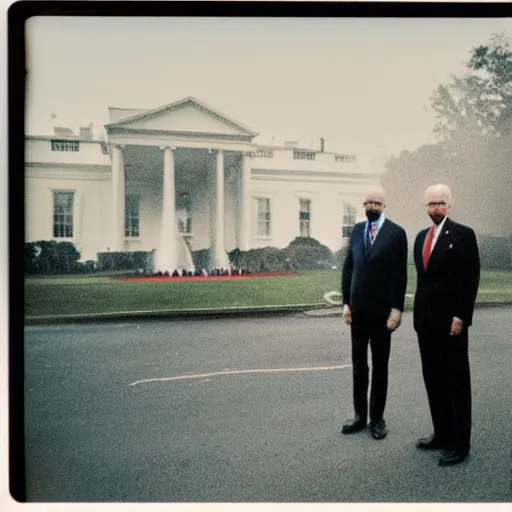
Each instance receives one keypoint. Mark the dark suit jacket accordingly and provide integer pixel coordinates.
(373, 284)
(449, 286)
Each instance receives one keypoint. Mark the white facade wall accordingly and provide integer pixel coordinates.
(284, 188)
(328, 181)
(327, 198)
(93, 197)
(91, 212)
(38, 149)
(322, 163)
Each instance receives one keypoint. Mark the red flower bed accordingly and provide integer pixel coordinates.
(151, 279)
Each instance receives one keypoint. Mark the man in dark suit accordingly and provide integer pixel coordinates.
(374, 279)
(448, 274)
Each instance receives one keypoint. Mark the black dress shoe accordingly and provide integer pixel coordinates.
(451, 457)
(379, 429)
(354, 425)
(430, 443)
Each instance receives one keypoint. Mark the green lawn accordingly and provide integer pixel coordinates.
(94, 294)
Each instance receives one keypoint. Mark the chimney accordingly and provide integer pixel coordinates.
(322, 141)
(86, 132)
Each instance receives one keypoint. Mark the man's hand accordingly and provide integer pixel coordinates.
(394, 319)
(457, 325)
(347, 314)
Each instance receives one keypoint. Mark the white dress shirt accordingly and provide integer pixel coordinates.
(378, 223)
(437, 231)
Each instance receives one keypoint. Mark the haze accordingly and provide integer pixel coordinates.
(362, 84)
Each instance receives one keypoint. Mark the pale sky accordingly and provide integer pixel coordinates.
(362, 84)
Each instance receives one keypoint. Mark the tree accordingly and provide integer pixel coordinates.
(407, 177)
(480, 101)
(474, 148)
(495, 60)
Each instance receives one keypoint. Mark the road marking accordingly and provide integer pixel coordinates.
(238, 372)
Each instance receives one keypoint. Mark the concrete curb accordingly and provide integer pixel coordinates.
(312, 310)
(174, 314)
(338, 311)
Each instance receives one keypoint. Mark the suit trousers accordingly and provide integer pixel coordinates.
(445, 366)
(379, 338)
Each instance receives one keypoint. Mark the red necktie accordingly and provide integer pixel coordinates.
(373, 228)
(428, 246)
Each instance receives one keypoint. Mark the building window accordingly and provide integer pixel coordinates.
(263, 217)
(349, 219)
(260, 153)
(131, 216)
(349, 159)
(65, 145)
(304, 155)
(184, 213)
(63, 214)
(305, 217)
(347, 231)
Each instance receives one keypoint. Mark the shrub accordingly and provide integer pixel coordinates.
(262, 259)
(201, 259)
(308, 253)
(90, 266)
(301, 253)
(236, 257)
(304, 240)
(125, 260)
(340, 256)
(50, 257)
(87, 267)
(31, 258)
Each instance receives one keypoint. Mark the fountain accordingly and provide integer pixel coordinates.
(173, 255)
(219, 260)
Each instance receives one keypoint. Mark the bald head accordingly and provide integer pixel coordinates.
(438, 199)
(437, 193)
(374, 203)
(375, 194)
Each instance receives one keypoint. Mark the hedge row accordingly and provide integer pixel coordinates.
(125, 261)
(51, 257)
(302, 253)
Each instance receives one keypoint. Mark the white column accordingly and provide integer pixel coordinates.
(211, 180)
(166, 254)
(118, 192)
(219, 251)
(244, 226)
(77, 220)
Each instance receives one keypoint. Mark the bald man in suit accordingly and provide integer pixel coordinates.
(448, 274)
(374, 279)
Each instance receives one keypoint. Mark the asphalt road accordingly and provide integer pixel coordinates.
(91, 435)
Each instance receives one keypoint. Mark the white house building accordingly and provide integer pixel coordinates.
(185, 176)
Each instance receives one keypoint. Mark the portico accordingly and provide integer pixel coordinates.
(154, 163)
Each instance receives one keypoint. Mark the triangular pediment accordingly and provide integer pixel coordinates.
(184, 116)
(118, 114)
